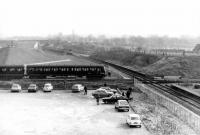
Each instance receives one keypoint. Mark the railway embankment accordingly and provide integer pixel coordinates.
(3, 55)
(184, 114)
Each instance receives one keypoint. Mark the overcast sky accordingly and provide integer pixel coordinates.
(109, 17)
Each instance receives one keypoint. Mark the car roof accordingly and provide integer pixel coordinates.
(77, 85)
(32, 84)
(15, 84)
(134, 115)
(122, 101)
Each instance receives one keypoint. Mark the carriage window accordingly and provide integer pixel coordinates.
(41, 69)
(12, 69)
(19, 69)
(55, 69)
(4, 69)
(63, 69)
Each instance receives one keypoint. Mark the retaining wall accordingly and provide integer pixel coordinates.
(183, 113)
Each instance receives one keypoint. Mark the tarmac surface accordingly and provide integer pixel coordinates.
(60, 113)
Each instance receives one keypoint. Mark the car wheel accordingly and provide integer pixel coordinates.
(127, 110)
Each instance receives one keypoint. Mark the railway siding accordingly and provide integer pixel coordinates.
(192, 119)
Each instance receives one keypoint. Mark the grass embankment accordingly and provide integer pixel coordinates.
(3, 55)
(187, 67)
(125, 57)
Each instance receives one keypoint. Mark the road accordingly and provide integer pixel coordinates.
(60, 113)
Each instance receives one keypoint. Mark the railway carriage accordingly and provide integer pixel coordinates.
(11, 72)
(42, 71)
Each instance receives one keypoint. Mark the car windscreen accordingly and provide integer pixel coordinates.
(123, 103)
(75, 87)
(15, 85)
(135, 118)
(32, 87)
(47, 85)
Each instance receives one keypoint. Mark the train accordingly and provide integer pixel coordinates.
(8, 72)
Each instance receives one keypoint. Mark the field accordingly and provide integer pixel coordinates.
(24, 53)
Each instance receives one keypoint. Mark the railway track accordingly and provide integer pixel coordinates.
(185, 98)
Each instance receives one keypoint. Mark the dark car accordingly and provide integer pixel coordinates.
(101, 93)
(32, 88)
(114, 98)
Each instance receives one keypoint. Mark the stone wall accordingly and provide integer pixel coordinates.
(183, 113)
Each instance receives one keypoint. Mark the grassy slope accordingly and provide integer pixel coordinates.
(3, 55)
(184, 66)
(29, 55)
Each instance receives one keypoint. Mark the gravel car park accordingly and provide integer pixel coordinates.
(60, 113)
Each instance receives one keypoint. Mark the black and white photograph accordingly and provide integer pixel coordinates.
(99, 67)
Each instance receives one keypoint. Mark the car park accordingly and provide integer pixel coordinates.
(122, 105)
(47, 87)
(101, 93)
(114, 98)
(16, 88)
(32, 88)
(77, 88)
(134, 120)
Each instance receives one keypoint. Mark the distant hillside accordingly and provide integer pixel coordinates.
(125, 57)
(197, 48)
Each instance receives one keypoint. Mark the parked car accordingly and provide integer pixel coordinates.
(114, 98)
(122, 105)
(77, 88)
(108, 89)
(32, 88)
(101, 93)
(48, 87)
(134, 120)
(16, 88)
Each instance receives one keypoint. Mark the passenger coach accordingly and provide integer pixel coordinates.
(12, 72)
(42, 71)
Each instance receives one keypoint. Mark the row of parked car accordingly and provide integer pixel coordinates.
(111, 96)
(48, 87)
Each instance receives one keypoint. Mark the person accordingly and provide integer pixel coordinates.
(128, 93)
(105, 85)
(123, 93)
(97, 98)
(85, 90)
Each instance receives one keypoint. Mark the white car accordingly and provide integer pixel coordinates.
(16, 88)
(48, 87)
(108, 89)
(77, 88)
(134, 120)
(122, 105)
